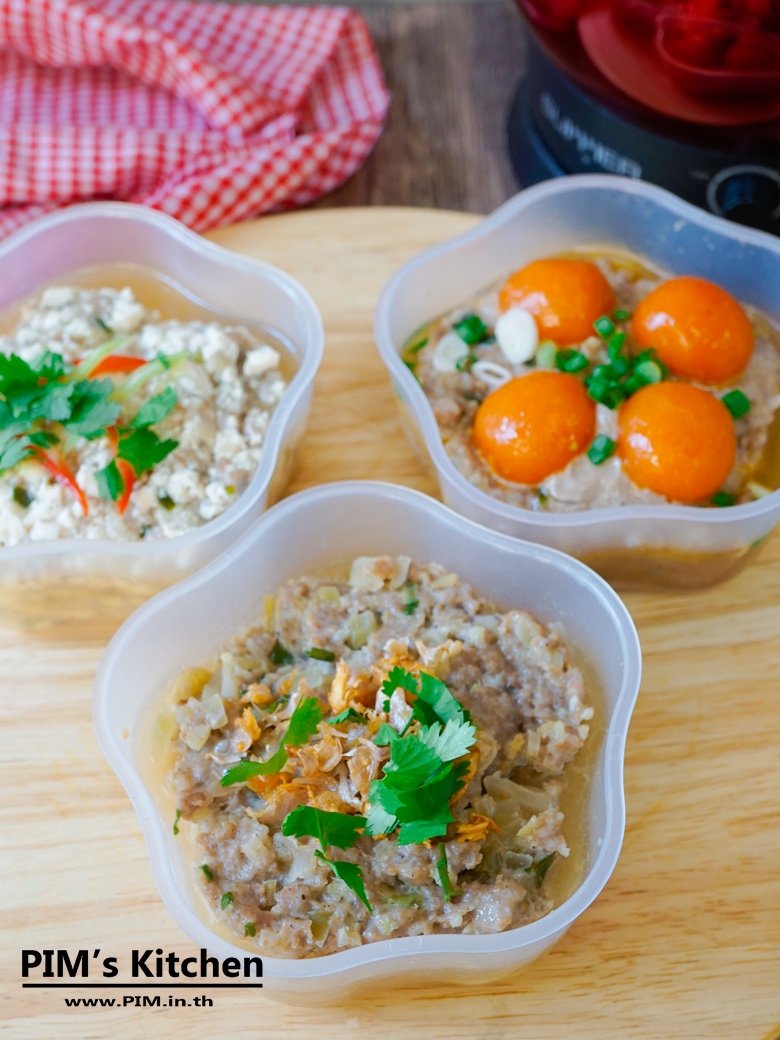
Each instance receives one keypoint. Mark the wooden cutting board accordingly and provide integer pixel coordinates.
(684, 943)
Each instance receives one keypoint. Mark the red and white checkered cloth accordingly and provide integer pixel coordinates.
(210, 112)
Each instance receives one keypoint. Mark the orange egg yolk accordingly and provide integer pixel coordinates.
(534, 426)
(564, 296)
(698, 330)
(676, 440)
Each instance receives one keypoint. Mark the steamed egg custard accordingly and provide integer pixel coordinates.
(591, 380)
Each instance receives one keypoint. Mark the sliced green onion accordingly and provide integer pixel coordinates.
(227, 900)
(737, 403)
(621, 315)
(615, 344)
(176, 822)
(723, 498)
(280, 655)
(621, 365)
(604, 326)
(250, 929)
(411, 606)
(319, 654)
(464, 363)
(207, 871)
(471, 329)
(539, 870)
(601, 449)
(648, 372)
(21, 496)
(571, 361)
(102, 324)
(165, 501)
(546, 354)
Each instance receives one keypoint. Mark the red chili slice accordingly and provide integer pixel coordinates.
(62, 473)
(116, 363)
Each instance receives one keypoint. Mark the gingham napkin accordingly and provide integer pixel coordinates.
(209, 112)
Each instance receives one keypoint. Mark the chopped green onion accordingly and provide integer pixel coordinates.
(160, 365)
(737, 403)
(176, 822)
(319, 654)
(571, 361)
(464, 363)
(22, 496)
(471, 329)
(227, 900)
(546, 354)
(620, 365)
(648, 372)
(101, 324)
(615, 344)
(144, 531)
(165, 500)
(417, 347)
(250, 929)
(604, 326)
(230, 489)
(723, 498)
(621, 315)
(207, 871)
(539, 870)
(280, 655)
(411, 606)
(601, 449)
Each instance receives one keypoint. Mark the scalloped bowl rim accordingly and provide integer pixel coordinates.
(308, 362)
(548, 928)
(421, 407)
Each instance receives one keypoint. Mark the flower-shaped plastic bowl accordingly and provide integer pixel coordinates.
(76, 582)
(330, 525)
(633, 546)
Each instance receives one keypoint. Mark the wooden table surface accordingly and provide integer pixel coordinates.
(684, 941)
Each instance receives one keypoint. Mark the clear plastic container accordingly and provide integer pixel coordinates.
(633, 546)
(188, 624)
(72, 584)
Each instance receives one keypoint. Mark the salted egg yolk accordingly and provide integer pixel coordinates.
(534, 425)
(676, 440)
(564, 296)
(698, 330)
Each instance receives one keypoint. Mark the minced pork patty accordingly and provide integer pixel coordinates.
(227, 387)
(516, 679)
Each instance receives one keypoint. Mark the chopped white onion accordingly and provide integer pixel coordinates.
(517, 335)
(449, 350)
(490, 373)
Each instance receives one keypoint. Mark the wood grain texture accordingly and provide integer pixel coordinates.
(452, 69)
(682, 945)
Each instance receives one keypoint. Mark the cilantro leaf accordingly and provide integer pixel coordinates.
(386, 735)
(303, 723)
(92, 408)
(143, 449)
(110, 482)
(13, 451)
(51, 366)
(451, 742)
(397, 678)
(330, 828)
(379, 821)
(55, 404)
(156, 409)
(349, 714)
(434, 692)
(411, 763)
(349, 873)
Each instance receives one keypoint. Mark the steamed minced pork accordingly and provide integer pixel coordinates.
(226, 380)
(587, 481)
(335, 650)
